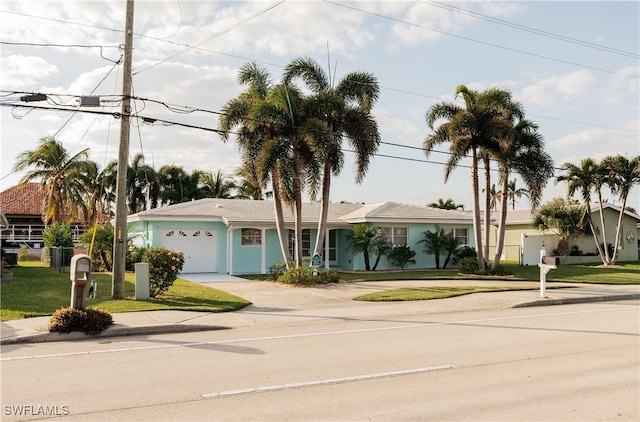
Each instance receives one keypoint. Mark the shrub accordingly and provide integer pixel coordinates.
(164, 267)
(58, 235)
(308, 275)
(135, 254)
(468, 265)
(401, 256)
(89, 321)
(464, 252)
(277, 269)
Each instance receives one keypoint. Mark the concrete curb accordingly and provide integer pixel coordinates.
(571, 300)
(113, 331)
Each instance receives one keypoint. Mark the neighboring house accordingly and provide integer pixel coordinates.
(523, 240)
(22, 206)
(239, 236)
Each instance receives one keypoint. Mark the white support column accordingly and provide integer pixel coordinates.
(230, 250)
(544, 269)
(263, 251)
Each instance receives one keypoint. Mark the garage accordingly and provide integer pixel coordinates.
(200, 248)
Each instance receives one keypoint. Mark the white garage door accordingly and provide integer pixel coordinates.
(198, 245)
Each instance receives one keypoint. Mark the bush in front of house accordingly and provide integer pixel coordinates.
(401, 256)
(164, 267)
(308, 275)
(134, 256)
(89, 321)
(468, 265)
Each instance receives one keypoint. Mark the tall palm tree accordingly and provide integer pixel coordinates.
(345, 108)
(251, 138)
(523, 152)
(296, 136)
(514, 192)
(174, 184)
(583, 179)
(142, 185)
(479, 125)
(58, 172)
(216, 185)
(622, 175)
(248, 184)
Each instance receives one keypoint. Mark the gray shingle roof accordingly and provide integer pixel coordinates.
(237, 212)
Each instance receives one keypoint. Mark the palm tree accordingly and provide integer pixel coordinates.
(174, 184)
(438, 241)
(484, 120)
(216, 186)
(346, 110)
(252, 137)
(562, 217)
(523, 152)
(449, 204)
(142, 185)
(367, 239)
(295, 136)
(58, 173)
(249, 185)
(622, 175)
(514, 193)
(583, 179)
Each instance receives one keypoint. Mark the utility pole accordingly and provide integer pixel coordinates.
(120, 235)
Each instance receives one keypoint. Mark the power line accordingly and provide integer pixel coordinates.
(531, 29)
(515, 50)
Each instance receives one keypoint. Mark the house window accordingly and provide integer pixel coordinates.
(251, 237)
(395, 235)
(306, 243)
(460, 234)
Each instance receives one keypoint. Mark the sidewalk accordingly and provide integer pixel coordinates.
(276, 304)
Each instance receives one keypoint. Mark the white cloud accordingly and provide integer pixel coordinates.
(557, 90)
(25, 72)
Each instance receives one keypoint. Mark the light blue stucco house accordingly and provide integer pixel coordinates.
(239, 236)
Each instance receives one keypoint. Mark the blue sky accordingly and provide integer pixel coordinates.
(573, 65)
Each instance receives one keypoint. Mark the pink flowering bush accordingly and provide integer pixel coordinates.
(164, 267)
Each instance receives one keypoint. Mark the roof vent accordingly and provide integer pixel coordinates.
(218, 205)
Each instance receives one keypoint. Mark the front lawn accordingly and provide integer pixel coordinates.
(38, 291)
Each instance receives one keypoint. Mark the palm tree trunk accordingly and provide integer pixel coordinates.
(604, 231)
(595, 235)
(297, 211)
(277, 203)
(487, 206)
(476, 209)
(324, 212)
(618, 231)
(501, 224)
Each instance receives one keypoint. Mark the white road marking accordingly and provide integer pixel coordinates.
(342, 380)
(318, 334)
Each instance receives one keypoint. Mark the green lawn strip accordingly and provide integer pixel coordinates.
(624, 273)
(39, 291)
(429, 293)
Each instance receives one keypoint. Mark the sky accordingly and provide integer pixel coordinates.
(574, 66)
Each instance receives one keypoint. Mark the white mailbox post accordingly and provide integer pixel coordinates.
(546, 264)
(80, 275)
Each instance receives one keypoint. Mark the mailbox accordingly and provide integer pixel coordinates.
(80, 275)
(550, 260)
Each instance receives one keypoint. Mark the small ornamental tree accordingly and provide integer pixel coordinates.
(164, 267)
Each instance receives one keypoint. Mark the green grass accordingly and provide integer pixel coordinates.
(39, 291)
(624, 273)
(429, 293)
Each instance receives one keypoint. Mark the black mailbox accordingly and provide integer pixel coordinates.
(550, 260)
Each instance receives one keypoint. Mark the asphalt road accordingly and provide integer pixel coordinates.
(569, 362)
